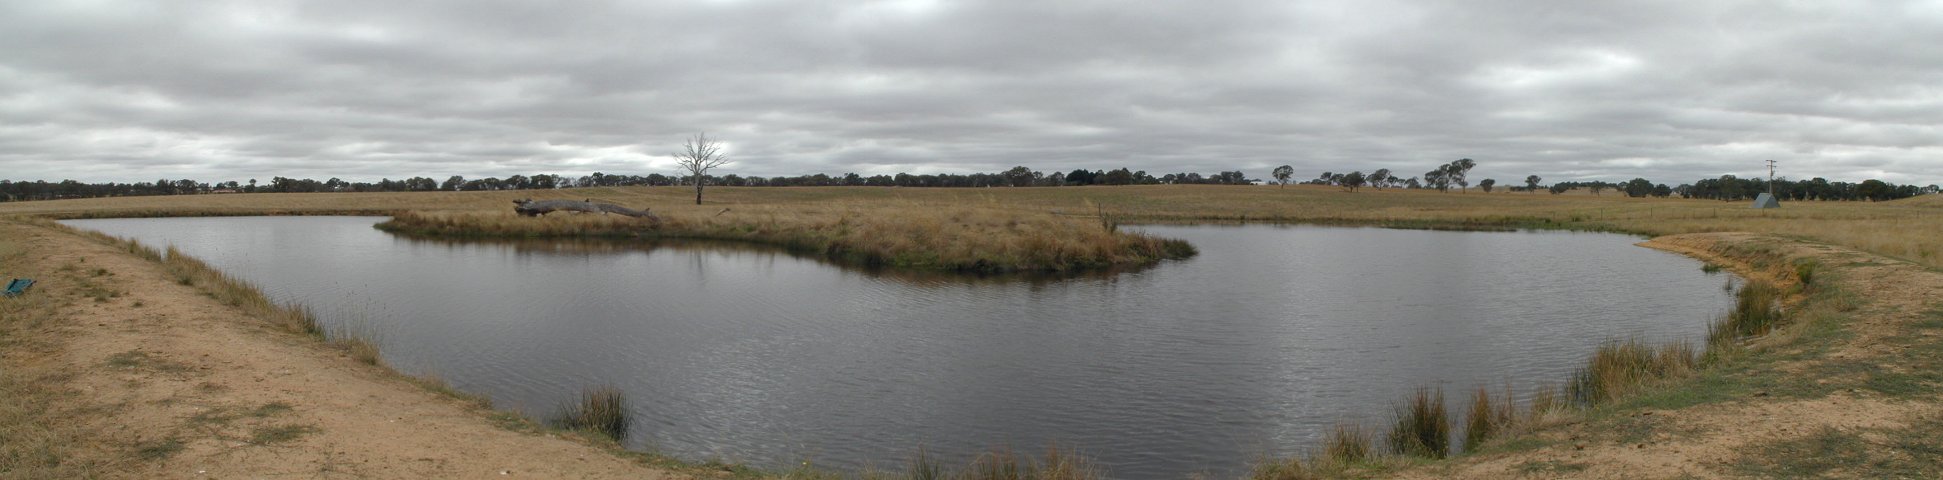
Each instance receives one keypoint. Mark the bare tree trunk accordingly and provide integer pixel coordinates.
(698, 189)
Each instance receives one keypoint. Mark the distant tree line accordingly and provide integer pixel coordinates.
(1015, 177)
(1726, 188)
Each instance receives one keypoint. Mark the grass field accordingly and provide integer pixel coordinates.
(1053, 229)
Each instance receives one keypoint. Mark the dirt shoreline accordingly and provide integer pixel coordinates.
(163, 381)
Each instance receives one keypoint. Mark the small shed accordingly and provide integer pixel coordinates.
(1766, 201)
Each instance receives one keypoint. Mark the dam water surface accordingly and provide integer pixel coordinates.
(1254, 347)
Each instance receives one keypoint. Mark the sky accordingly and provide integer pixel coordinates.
(1672, 91)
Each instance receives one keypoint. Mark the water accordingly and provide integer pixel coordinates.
(1256, 346)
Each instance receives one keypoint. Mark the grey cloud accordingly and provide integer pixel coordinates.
(1671, 91)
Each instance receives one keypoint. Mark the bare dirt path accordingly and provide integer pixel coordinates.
(166, 382)
(1863, 404)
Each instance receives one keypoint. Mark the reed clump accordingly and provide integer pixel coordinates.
(1482, 421)
(1619, 368)
(1345, 444)
(601, 410)
(1757, 311)
(1422, 427)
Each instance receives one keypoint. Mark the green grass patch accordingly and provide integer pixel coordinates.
(137, 359)
(271, 409)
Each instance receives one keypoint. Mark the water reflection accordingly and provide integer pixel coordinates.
(732, 351)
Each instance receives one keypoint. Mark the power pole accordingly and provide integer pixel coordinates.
(1770, 178)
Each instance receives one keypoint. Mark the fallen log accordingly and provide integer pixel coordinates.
(533, 208)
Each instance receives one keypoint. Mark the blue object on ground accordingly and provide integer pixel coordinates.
(18, 286)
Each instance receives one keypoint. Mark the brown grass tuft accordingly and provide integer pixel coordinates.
(1422, 426)
(601, 410)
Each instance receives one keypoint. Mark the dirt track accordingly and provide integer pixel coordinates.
(165, 382)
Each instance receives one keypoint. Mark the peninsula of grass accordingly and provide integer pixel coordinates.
(960, 239)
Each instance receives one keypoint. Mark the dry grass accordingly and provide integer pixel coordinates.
(1055, 464)
(1620, 368)
(968, 239)
(1007, 226)
(39, 437)
(1757, 311)
(601, 410)
(1422, 427)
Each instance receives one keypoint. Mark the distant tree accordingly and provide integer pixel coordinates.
(1874, 190)
(1117, 177)
(1439, 179)
(1079, 176)
(1282, 174)
(1412, 184)
(1486, 184)
(1531, 183)
(1638, 188)
(1458, 170)
(1018, 176)
(1379, 178)
(1596, 187)
(697, 156)
(1560, 187)
(453, 183)
(1662, 191)
(1352, 181)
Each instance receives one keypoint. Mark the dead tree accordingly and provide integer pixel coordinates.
(697, 156)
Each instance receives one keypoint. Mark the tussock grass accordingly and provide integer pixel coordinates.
(360, 339)
(1055, 464)
(1482, 421)
(1345, 444)
(1422, 427)
(1620, 368)
(1757, 311)
(601, 410)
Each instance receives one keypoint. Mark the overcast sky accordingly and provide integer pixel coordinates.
(1671, 90)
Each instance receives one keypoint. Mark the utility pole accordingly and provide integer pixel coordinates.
(1770, 178)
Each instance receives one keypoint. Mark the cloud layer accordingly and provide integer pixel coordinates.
(1671, 91)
